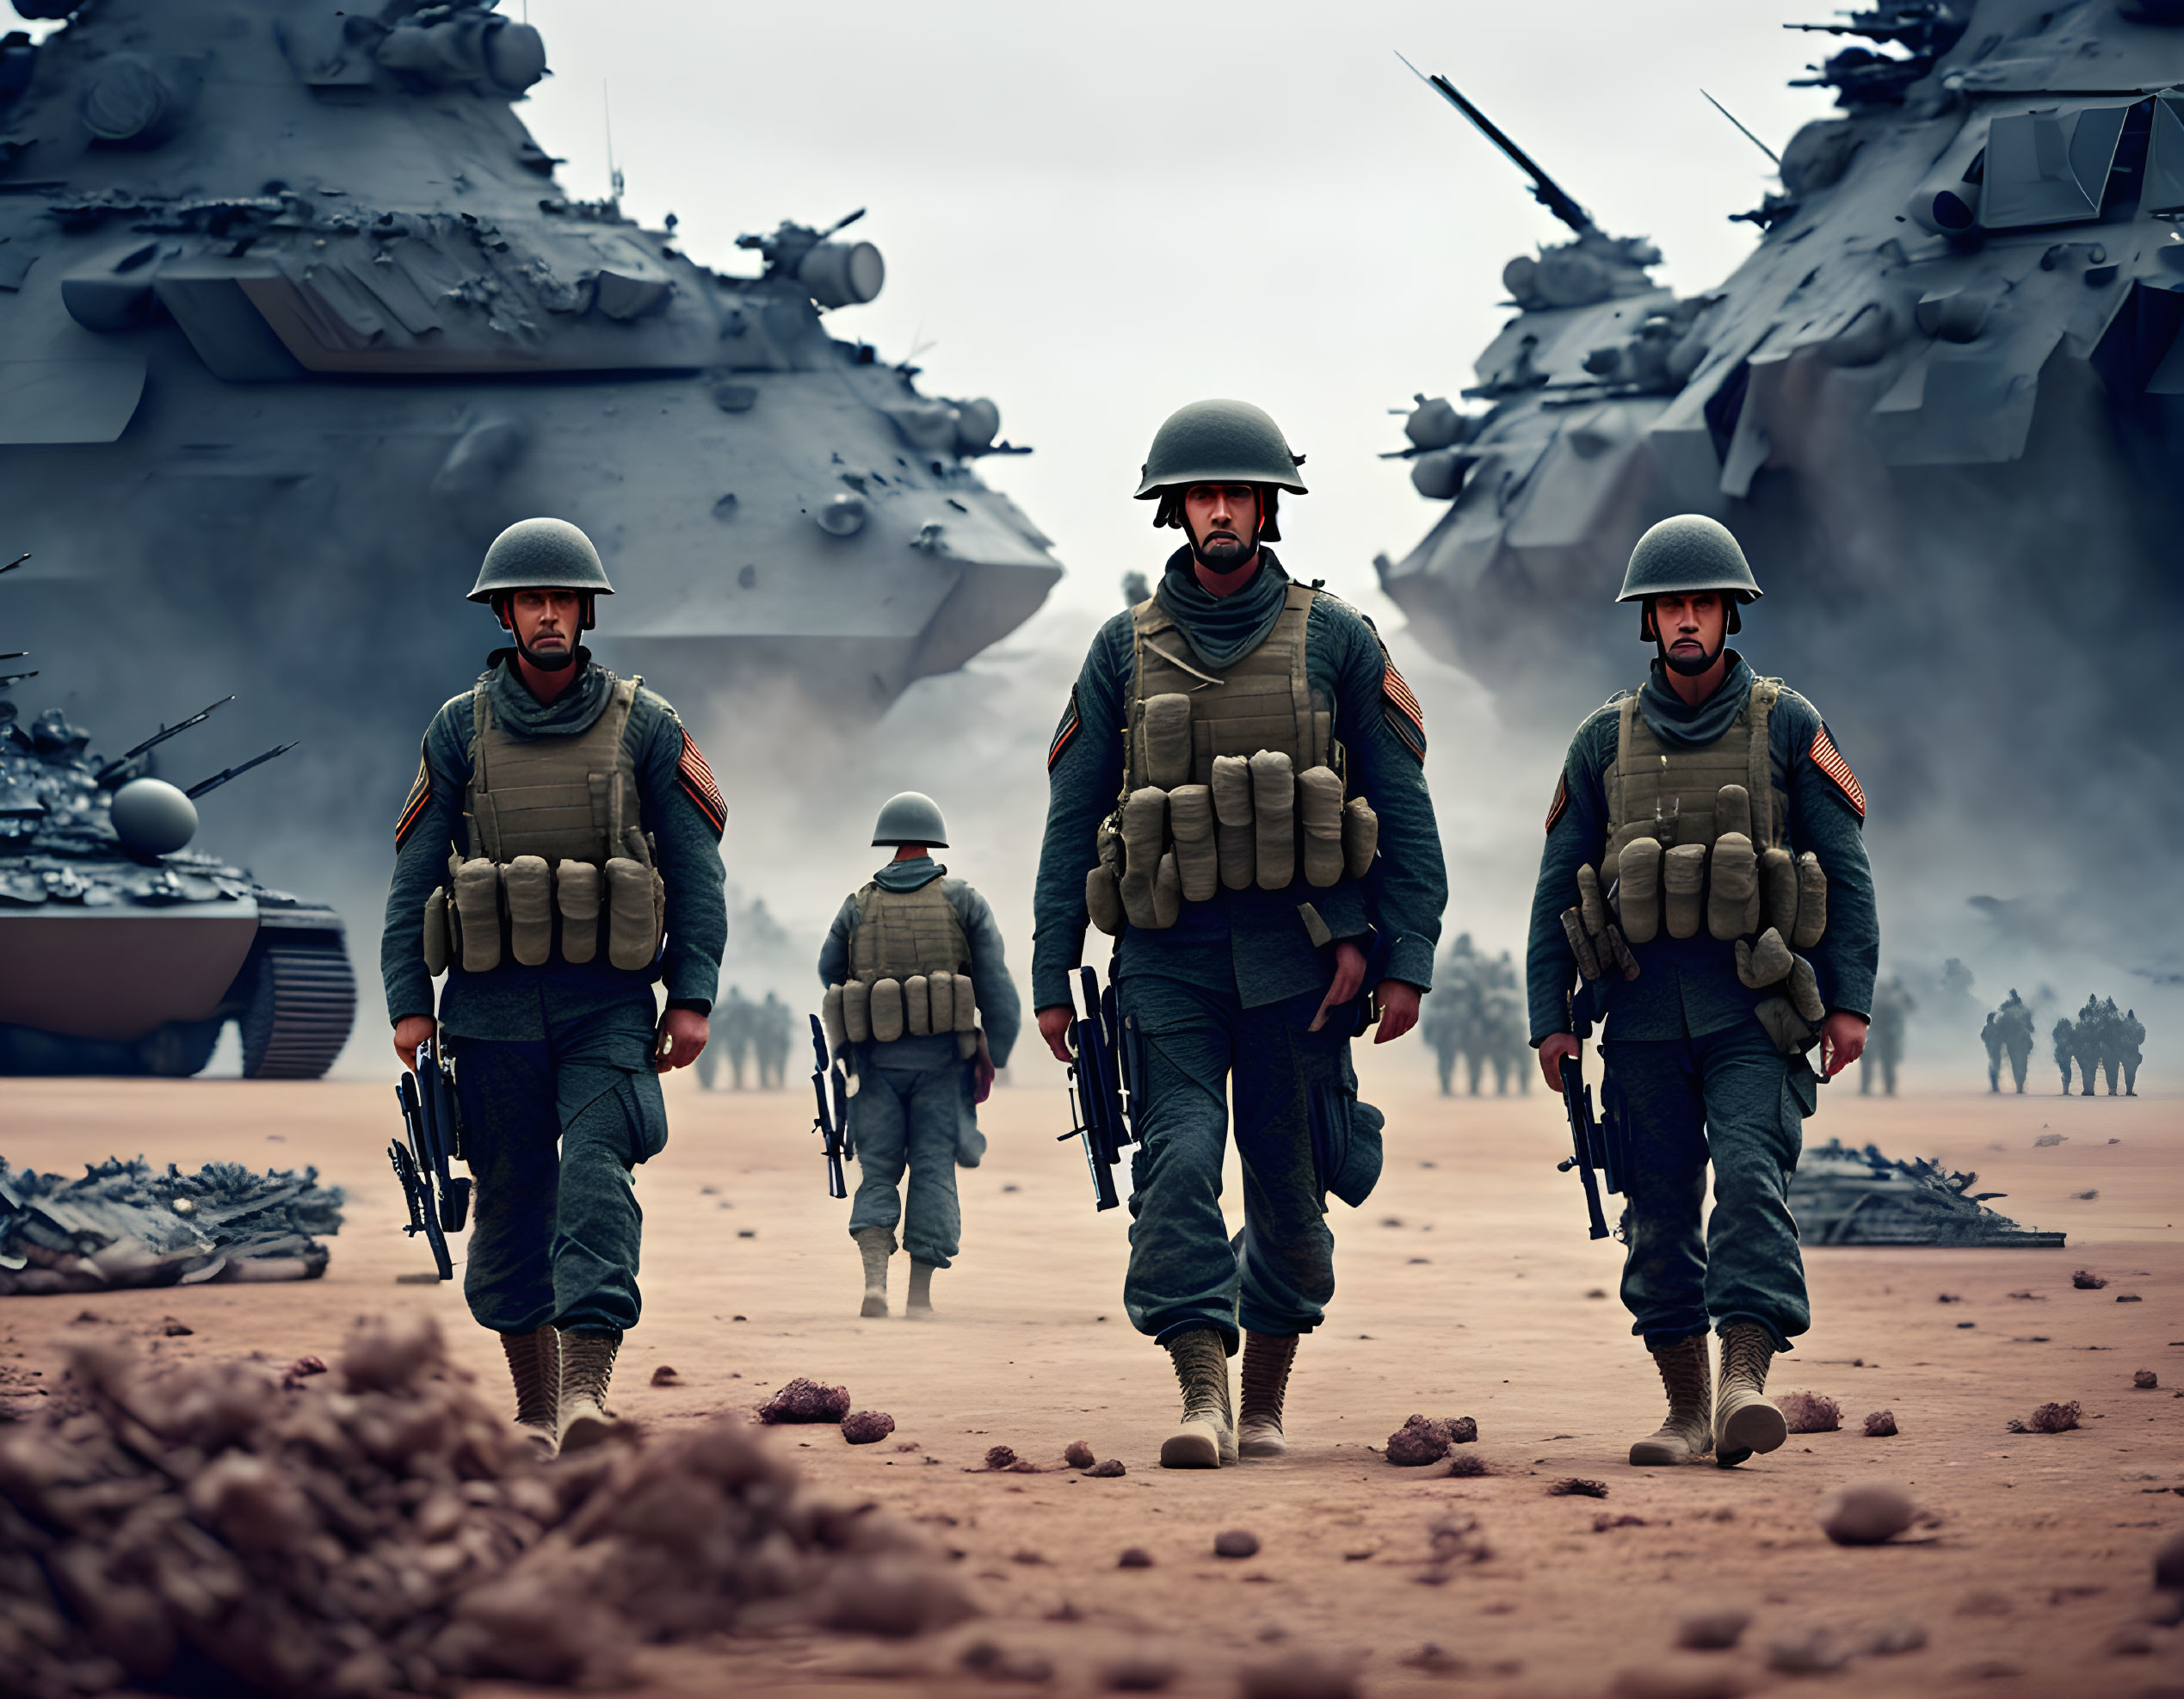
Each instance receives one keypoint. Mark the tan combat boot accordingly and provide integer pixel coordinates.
(587, 1365)
(1266, 1360)
(1687, 1431)
(1745, 1420)
(875, 1246)
(535, 1362)
(1207, 1438)
(920, 1300)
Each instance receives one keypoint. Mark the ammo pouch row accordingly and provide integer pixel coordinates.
(885, 1010)
(524, 901)
(1258, 822)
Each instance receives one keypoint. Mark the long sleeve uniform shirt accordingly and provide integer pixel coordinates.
(1252, 941)
(1688, 986)
(679, 805)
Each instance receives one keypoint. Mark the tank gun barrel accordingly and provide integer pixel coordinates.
(1544, 189)
(160, 736)
(17, 562)
(221, 778)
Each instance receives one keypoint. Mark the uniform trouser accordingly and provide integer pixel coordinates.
(1192, 1046)
(1726, 1096)
(1993, 1071)
(2109, 1069)
(552, 1130)
(2017, 1065)
(910, 1118)
(2088, 1068)
(2131, 1076)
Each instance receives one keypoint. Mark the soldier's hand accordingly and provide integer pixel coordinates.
(1554, 1049)
(681, 1036)
(1398, 1001)
(409, 1032)
(1054, 1027)
(1349, 979)
(982, 1072)
(1842, 1040)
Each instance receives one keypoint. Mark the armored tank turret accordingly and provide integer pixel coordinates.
(294, 318)
(1941, 405)
(1844, 1195)
(123, 951)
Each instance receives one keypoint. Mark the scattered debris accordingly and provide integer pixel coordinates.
(1816, 1652)
(2085, 1197)
(1001, 1457)
(1866, 1515)
(1949, 1298)
(1468, 1463)
(1027, 1556)
(302, 1370)
(2146, 1381)
(867, 1427)
(1603, 1522)
(2086, 1280)
(665, 1375)
(1713, 1630)
(2049, 1418)
(1079, 1455)
(1841, 1196)
(994, 1662)
(1576, 1487)
(1881, 1425)
(802, 1400)
(2127, 1298)
(1811, 1412)
(1236, 1542)
(177, 1329)
(1423, 1440)
(1136, 1557)
(1457, 1540)
(2048, 1141)
(1108, 1469)
(1301, 1674)
(1437, 1661)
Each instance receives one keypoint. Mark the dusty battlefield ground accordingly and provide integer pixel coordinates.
(1467, 1288)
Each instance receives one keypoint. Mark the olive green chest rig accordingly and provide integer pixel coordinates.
(909, 972)
(1231, 777)
(556, 846)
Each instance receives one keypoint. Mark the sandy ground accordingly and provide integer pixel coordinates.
(1467, 1288)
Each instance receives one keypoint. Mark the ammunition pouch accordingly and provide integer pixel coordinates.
(885, 1010)
(522, 908)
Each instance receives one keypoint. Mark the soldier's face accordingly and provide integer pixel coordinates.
(546, 621)
(1223, 522)
(1692, 628)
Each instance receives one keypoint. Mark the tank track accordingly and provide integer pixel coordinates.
(303, 1003)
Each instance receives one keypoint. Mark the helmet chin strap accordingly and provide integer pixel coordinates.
(1689, 668)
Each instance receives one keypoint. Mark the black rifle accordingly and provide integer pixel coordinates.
(1099, 1086)
(832, 1121)
(1590, 1150)
(438, 1201)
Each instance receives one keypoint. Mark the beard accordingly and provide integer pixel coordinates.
(548, 662)
(1223, 551)
(1688, 666)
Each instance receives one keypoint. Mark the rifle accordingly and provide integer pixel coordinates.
(1585, 1139)
(832, 1121)
(1099, 1086)
(438, 1202)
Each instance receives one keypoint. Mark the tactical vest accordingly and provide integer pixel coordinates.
(556, 844)
(1654, 790)
(1231, 777)
(909, 972)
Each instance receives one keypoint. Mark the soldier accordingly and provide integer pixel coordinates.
(2065, 1042)
(1438, 1026)
(1991, 1036)
(1708, 769)
(2131, 1048)
(555, 803)
(1237, 714)
(2112, 1041)
(773, 1037)
(2015, 1020)
(737, 1030)
(912, 963)
(2087, 1040)
(1892, 1006)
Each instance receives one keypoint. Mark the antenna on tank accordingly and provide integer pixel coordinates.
(1748, 135)
(614, 171)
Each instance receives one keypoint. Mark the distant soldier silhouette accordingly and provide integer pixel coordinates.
(1991, 1036)
(2132, 1050)
(2065, 1038)
(2015, 1020)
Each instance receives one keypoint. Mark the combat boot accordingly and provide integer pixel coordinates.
(920, 1300)
(1745, 1420)
(587, 1365)
(1266, 1360)
(1207, 1438)
(535, 1362)
(1687, 1431)
(875, 1246)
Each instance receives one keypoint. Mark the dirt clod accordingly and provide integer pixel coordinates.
(1881, 1425)
(1815, 1651)
(867, 1427)
(2086, 1280)
(1865, 1514)
(1811, 1412)
(1138, 1672)
(804, 1400)
(1135, 1557)
(665, 1375)
(1423, 1439)
(177, 1329)
(2145, 1380)
(2168, 1563)
(2049, 1419)
(996, 1662)
(1577, 1487)
(1713, 1630)
(1001, 1457)
(1468, 1463)
(1079, 1455)
(1236, 1542)
(302, 1370)
(1110, 1469)
(1301, 1674)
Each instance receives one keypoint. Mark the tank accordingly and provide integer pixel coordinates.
(123, 951)
(1843, 1196)
(1941, 405)
(296, 318)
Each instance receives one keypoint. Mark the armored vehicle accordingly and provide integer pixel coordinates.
(1842, 1195)
(1941, 405)
(121, 952)
(294, 318)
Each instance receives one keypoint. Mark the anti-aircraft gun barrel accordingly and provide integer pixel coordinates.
(221, 778)
(1544, 189)
(121, 761)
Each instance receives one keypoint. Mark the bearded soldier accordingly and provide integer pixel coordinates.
(919, 998)
(1705, 876)
(1238, 795)
(558, 855)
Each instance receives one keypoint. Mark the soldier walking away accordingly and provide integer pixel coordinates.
(1712, 809)
(737, 1023)
(919, 996)
(2015, 1022)
(1893, 1008)
(558, 855)
(2065, 1040)
(1438, 1026)
(1991, 1036)
(775, 1033)
(2131, 1049)
(1273, 876)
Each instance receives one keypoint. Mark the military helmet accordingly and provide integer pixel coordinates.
(540, 554)
(911, 817)
(1687, 552)
(1220, 442)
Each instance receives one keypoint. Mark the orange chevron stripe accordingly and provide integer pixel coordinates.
(1561, 801)
(1826, 757)
(696, 774)
(420, 794)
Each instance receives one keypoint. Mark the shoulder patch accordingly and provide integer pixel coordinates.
(1824, 756)
(420, 794)
(1064, 733)
(1561, 799)
(1403, 713)
(696, 775)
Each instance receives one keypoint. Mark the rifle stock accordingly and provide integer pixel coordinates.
(1099, 1080)
(832, 1121)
